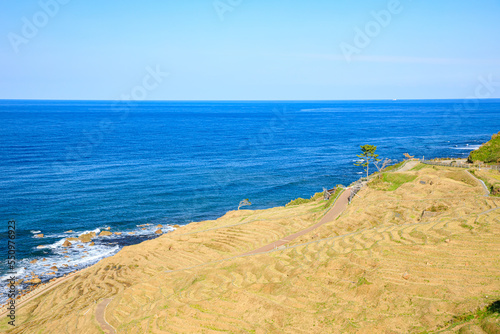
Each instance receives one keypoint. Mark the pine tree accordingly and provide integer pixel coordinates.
(367, 155)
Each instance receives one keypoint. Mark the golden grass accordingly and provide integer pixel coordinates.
(383, 266)
(491, 178)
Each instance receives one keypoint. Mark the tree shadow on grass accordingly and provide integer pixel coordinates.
(494, 307)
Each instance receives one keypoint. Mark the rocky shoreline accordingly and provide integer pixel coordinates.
(71, 248)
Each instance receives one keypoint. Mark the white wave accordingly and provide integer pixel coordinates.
(470, 147)
(72, 258)
(96, 231)
(99, 254)
(75, 255)
(57, 244)
(73, 234)
(36, 232)
(58, 235)
(19, 272)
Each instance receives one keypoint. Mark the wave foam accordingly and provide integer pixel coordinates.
(69, 259)
(469, 147)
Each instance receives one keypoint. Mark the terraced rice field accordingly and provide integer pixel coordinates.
(402, 261)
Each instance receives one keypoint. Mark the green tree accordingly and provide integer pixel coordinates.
(367, 155)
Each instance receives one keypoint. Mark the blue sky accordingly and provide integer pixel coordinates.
(249, 49)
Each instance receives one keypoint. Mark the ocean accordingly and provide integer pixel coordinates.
(88, 165)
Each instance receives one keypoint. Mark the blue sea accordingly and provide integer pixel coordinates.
(88, 165)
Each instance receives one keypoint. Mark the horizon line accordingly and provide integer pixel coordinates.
(255, 100)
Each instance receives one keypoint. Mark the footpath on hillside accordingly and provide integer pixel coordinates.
(100, 317)
(339, 207)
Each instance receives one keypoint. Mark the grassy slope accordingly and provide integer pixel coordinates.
(391, 181)
(488, 152)
(491, 179)
(393, 167)
(378, 268)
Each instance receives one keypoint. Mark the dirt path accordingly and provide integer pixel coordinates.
(100, 316)
(339, 206)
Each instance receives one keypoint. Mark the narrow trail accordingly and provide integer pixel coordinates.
(100, 316)
(339, 207)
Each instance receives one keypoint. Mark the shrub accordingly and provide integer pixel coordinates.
(301, 200)
(298, 201)
(495, 189)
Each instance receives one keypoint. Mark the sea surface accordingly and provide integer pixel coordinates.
(88, 165)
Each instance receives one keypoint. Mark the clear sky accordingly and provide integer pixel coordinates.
(249, 49)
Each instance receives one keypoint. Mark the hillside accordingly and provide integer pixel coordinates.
(489, 152)
(414, 252)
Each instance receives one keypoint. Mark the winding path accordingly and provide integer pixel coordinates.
(100, 313)
(339, 207)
